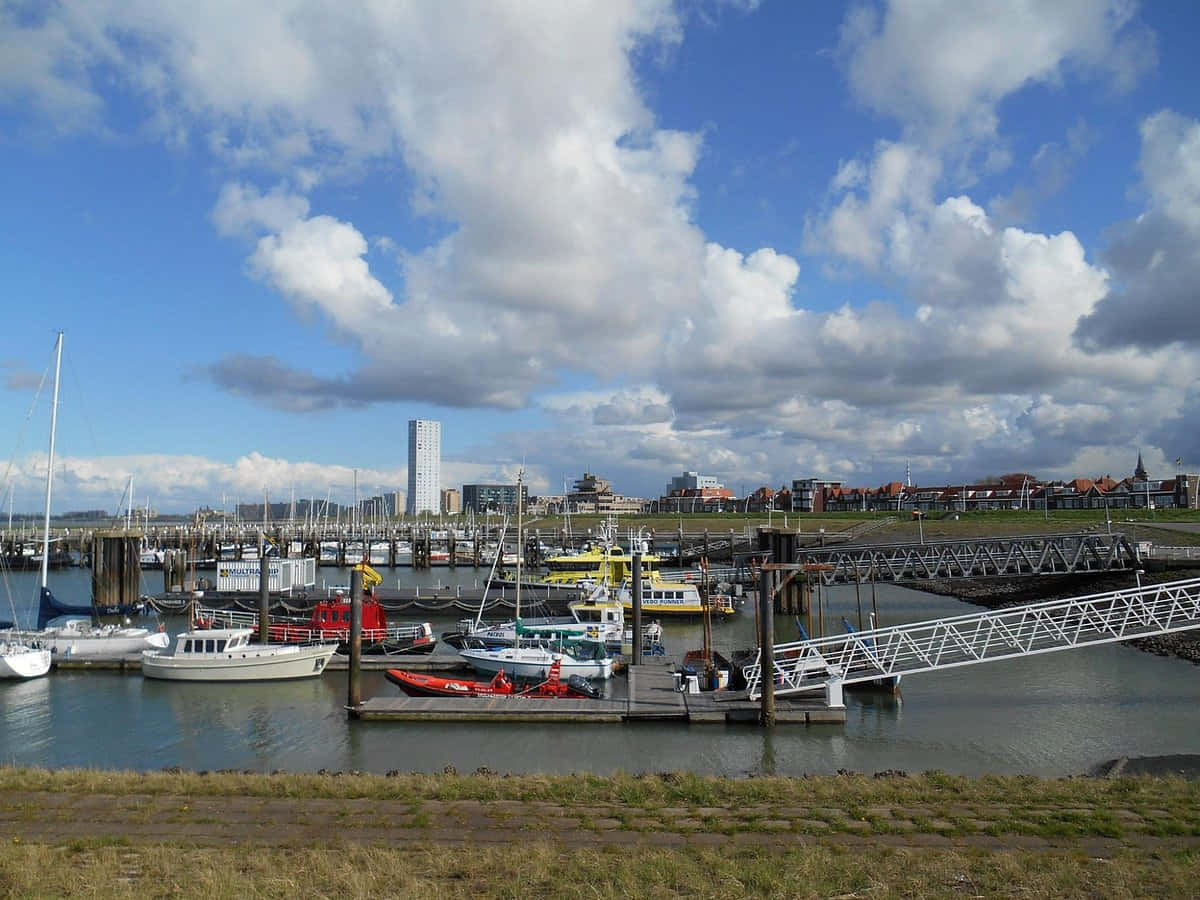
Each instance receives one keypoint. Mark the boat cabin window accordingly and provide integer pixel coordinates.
(209, 646)
(220, 646)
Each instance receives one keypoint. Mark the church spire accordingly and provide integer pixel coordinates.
(1139, 474)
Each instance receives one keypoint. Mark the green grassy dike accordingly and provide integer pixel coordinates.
(111, 834)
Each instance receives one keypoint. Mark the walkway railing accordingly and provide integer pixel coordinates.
(1048, 554)
(981, 637)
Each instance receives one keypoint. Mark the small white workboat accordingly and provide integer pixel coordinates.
(226, 654)
(23, 661)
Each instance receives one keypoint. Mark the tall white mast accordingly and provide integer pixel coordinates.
(520, 539)
(129, 506)
(50, 459)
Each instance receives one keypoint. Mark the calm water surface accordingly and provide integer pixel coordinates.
(1055, 714)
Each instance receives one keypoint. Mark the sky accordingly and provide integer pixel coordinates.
(757, 240)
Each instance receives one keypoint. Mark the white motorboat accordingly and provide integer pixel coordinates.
(585, 658)
(23, 661)
(226, 654)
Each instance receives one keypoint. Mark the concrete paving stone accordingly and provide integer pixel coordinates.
(879, 812)
(561, 823)
(810, 825)
(606, 824)
(467, 805)
(941, 824)
(976, 824)
(759, 838)
(1127, 815)
(663, 839)
(775, 824)
(686, 824)
(754, 812)
(706, 839)
(509, 805)
(827, 812)
(621, 838)
(925, 839)
(642, 823)
(674, 811)
(794, 812)
(961, 810)
(1026, 841)
(710, 811)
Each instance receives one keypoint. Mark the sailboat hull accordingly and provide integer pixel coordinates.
(20, 661)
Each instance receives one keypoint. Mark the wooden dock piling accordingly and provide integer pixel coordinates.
(116, 568)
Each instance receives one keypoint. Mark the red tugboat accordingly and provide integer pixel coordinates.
(417, 684)
(330, 621)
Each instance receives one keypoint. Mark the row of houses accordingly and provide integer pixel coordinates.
(694, 493)
(1023, 492)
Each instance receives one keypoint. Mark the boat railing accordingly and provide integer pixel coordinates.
(299, 630)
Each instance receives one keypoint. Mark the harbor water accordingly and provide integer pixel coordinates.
(1054, 714)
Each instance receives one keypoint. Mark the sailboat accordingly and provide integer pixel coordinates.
(573, 657)
(75, 637)
(19, 660)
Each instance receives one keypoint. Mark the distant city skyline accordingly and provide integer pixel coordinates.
(756, 240)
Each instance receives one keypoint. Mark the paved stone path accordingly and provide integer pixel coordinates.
(58, 817)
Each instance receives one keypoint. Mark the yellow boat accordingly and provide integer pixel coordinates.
(597, 563)
(606, 562)
(675, 598)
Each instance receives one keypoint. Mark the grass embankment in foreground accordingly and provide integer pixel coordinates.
(72, 833)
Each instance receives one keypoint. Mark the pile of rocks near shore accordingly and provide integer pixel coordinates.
(998, 593)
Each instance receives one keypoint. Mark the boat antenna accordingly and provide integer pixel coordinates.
(50, 459)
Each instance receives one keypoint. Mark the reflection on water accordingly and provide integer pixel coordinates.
(1054, 714)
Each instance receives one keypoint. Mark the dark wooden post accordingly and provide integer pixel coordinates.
(264, 592)
(766, 643)
(636, 587)
(116, 568)
(355, 686)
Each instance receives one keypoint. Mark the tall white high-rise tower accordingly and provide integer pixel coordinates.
(424, 466)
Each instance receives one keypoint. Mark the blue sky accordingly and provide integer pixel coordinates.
(758, 240)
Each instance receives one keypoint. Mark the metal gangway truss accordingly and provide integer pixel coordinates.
(829, 663)
(1045, 554)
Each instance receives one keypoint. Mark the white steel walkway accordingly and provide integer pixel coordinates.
(831, 662)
